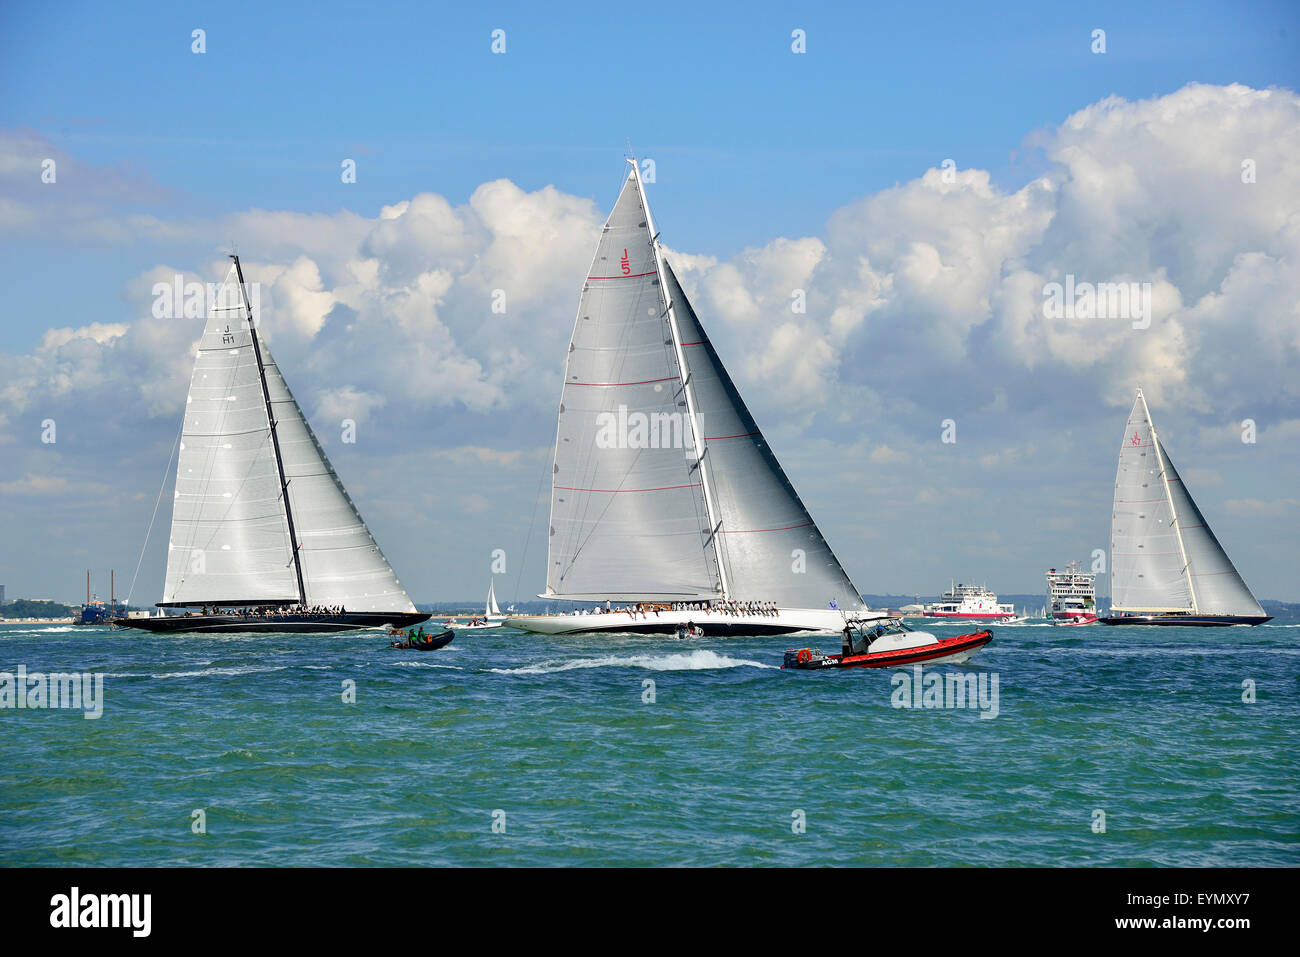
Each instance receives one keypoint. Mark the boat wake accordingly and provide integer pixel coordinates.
(204, 673)
(424, 664)
(701, 660)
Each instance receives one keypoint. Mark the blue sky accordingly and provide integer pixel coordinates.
(752, 145)
(412, 92)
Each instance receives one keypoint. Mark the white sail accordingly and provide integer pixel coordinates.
(1148, 570)
(1217, 586)
(628, 516)
(492, 610)
(341, 562)
(229, 539)
(1164, 556)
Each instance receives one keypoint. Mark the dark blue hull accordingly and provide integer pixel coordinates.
(275, 625)
(1197, 621)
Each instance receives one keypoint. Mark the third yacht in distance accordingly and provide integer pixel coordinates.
(1167, 567)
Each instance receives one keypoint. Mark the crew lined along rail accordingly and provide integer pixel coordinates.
(272, 612)
(756, 609)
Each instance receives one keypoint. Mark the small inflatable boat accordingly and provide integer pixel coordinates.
(889, 644)
(422, 642)
(689, 630)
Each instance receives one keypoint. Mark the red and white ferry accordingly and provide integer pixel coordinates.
(1072, 595)
(970, 603)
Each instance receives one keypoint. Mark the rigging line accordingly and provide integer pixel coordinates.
(532, 522)
(596, 523)
(158, 501)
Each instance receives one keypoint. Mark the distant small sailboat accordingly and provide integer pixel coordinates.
(492, 612)
(491, 618)
(264, 538)
(1167, 568)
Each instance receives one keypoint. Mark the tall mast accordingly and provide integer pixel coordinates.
(1164, 478)
(714, 524)
(275, 438)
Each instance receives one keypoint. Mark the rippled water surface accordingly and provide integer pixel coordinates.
(554, 738)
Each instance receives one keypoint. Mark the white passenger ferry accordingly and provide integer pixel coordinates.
(1071, 594)
(970, 603)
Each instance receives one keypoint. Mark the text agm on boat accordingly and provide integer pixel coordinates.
(264, 537)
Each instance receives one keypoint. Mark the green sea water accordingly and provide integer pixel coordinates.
(510, 749)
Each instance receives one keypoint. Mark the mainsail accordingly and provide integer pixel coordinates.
(1164, 557)
(628, 516)
(229, 538)
(230, 541)
(664, 487)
